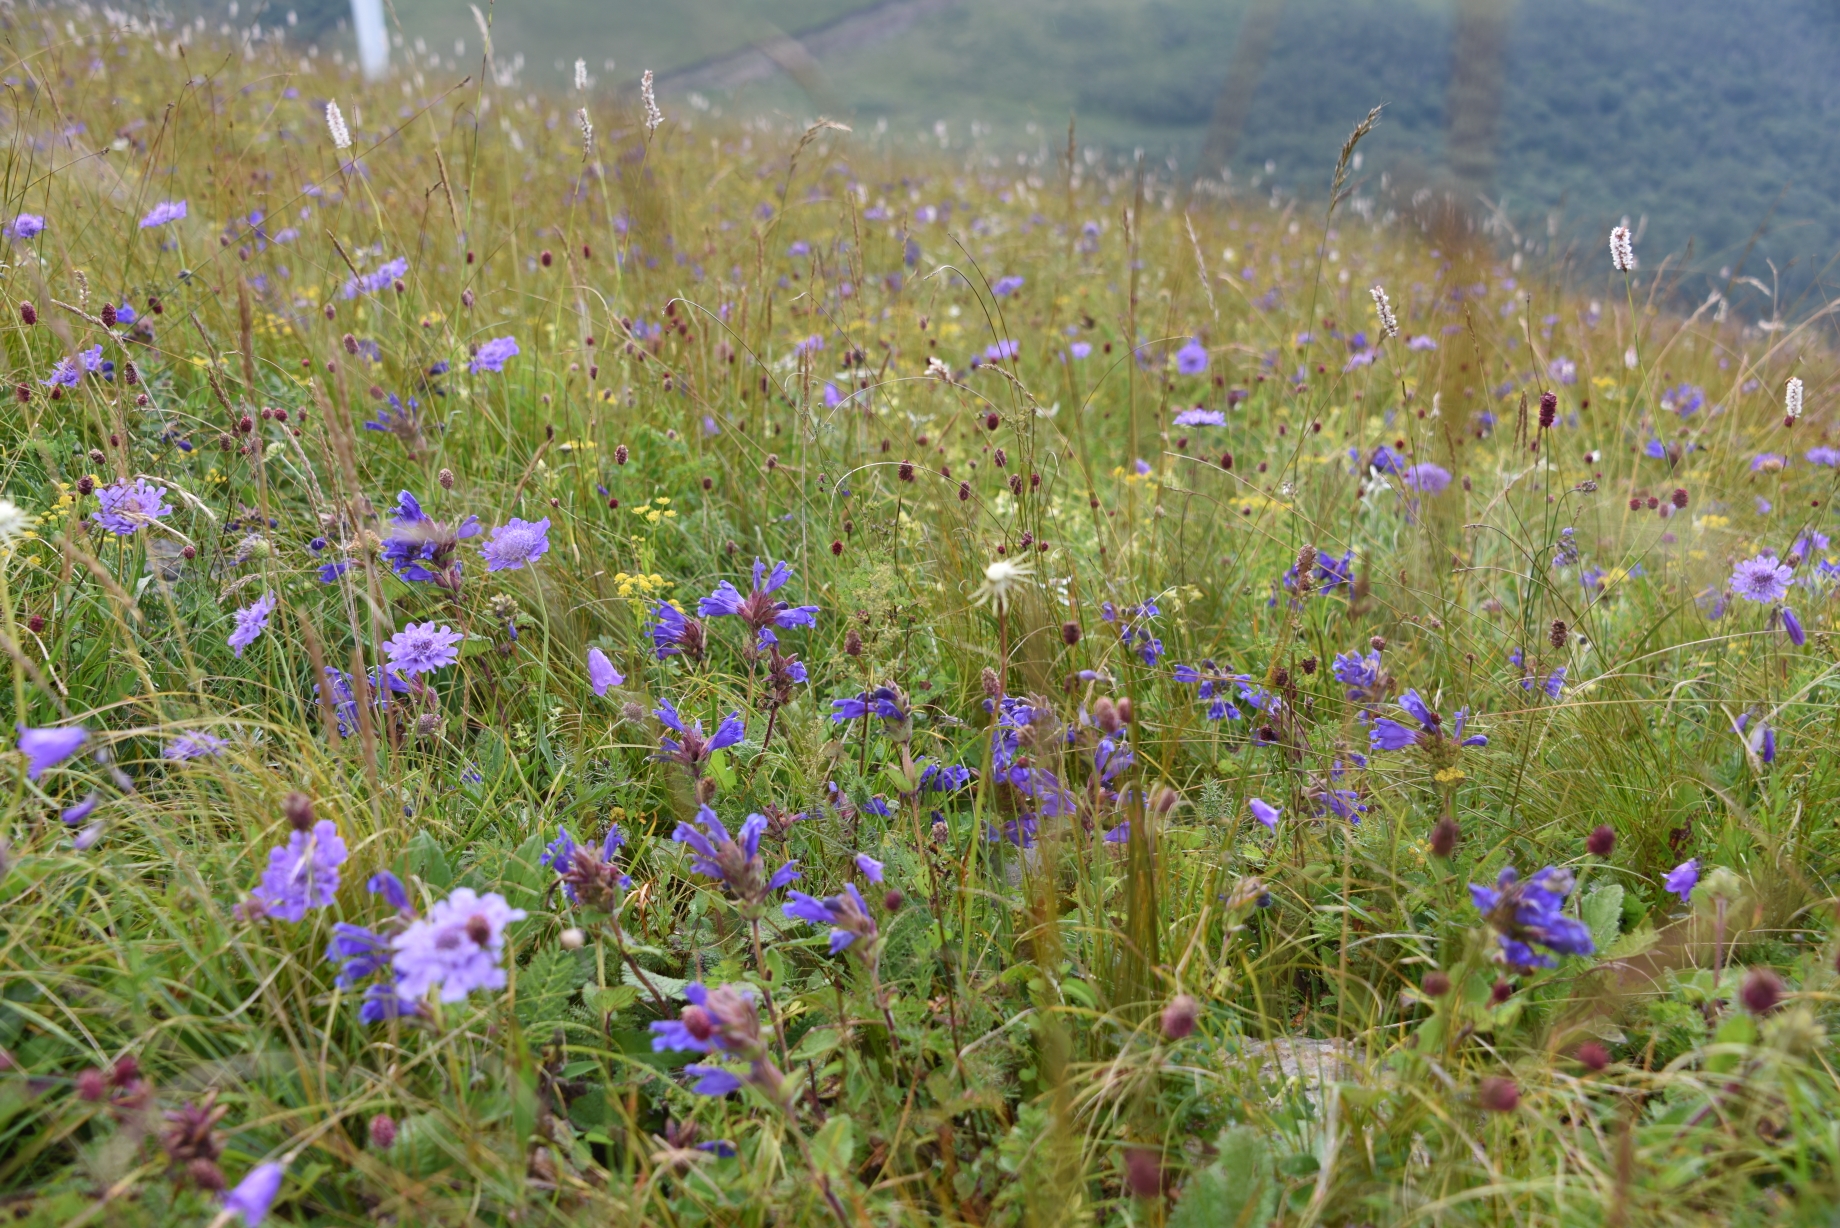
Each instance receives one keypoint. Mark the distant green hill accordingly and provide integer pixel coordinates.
(1697, 114)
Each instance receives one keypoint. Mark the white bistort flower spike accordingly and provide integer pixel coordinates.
(653, 116)
(1389, 323)
(1792, 399)
(581, 75)
(587, 131)
(1622, 250)
(335, 124)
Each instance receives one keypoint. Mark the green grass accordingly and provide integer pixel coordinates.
(1007, 1049)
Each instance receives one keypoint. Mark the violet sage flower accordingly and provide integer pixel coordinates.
(1527, 912)
(723, 1021)
(691, 748)
(734, 860)
(673, 633)
(1389, 734)
(847, 914)
(422, 548)
(589, 879)
(759, 609)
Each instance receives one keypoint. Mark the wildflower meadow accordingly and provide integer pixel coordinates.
(576, 661)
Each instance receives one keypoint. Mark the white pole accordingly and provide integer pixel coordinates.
(373, 37)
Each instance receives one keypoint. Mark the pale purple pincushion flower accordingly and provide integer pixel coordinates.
(493, 355)
(1427, 478)
(1200, 417)
(458, 947)
(251, 621)
(1192, 359)
(1762, 579)
(1682, 879)
(128, 506)
(65, 373)
(304, 874)
(602, 676)
(193, 746)
(254, 1193)
(422, 648)
(162, 213)
(515, 543)
(378, 279)
(25, 226)
(46, 748)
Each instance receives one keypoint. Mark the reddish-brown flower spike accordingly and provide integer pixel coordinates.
(546, 258)
(1444, 836)
(1556, 635)
(92, 1085)
(22, 392)
(1680, 496)
(1593, 1056)
(1498, 1095)
(836, 547)
(1500, 992)
(1143, 1172)
(108, 315)
(991, 420)
(1179, 1017)
(697, 1022)
(964, 491)
(620, 455)
(298, 808)
(28, 314)
(383, 1131)
(587, 253)
(350, 343)
(1635, 503)
(893, 900)
(1601, 842)
(1549, 410)
(1761, 992)
(1436, 984)
(1070, 632)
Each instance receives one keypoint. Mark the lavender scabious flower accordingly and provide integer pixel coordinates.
(255, 1193)
(734, 860)
(1762, 579)
(1192, 358)
(162, 213)
(127, 507)
(591, 880)
(1682, 879)
(251, 621)
(1200, 417)
(723, 1021)
(846, 914)
(515, 543)
(65, 374)
(25, 226)
(458, 947)
(421, 548)
(304, 874)
(378, 279)
(673, 633)
(602, 676)
(493, 355)
(690, 747)
(423, 648)
(46, 748)
(1527, 912)
(1427, 478)
(198, 745)
(758, 609)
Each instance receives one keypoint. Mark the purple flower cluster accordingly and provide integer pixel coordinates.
(847, 914)
(1389, 734)
(127, 507)
(303, 874)
(589, 879)
(759, 609)
(734, 860)
(251, 621)
(673, 633)
(721, 1022)
(493, 355)
(1525, 913)
(690, 747)
(422, 648)
(457, 948)
(378, 279)
(422, 548)
(516, 543)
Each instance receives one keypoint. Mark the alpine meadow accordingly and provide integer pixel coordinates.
(579, 660)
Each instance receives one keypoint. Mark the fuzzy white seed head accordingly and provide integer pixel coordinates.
(335, 124)
(653, 116)
(1622, 250)
(581, 75)
(1792, 398)
(1389, 323)
(587, 130)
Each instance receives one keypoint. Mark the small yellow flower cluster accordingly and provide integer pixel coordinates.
(655, 514)
(639, 585)
(1449, 776)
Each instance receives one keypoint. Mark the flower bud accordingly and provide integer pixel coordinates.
(893, 899)
(28, 314)
(1500, 992)
(573, 939)
(1444, 836)
(383, 1131)
(92, 1085)
(991, 420)
(1377, 643)
(1105, 714)
(1602, 840)
(108, 315)
(1498, 1095)
(1593, 1056)
(1435, 985)
(620, 454)
(1179, 1017)
(205, 1174)
(1556, 636)
(1124, 709)
(446, 478)
(852, 643)
(697, 1022)
(298, 808)
(1070, 633)
(86, 485)
(466, 298)
(1549, 410)
(1761, 992)
(906, 471)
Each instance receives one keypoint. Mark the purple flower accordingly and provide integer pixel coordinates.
(25, 226)
(1762, 579)
(1768, 462)
(1389, 734)
(673, 633)
(74, 815)
(128, 506)
(1362, 675)
(1824, 455)
(422, 649)
(601, 674)
(1192, 358)
(758, 609)
(90, 359)
(378, 279)
(65, 373)
(870, 867)
(162, 213)
(515, 543)
(884, 701)
(722, 1020)
(690, 747)
(46, 748)
(493, 355)
(1792, 626)
(251, 621)
(1421, 342)
(421, 548)
(1761, 740)
(1001, 351)
(846, 914)
(1427, 478)
(304, 874)
(1080, 349)
(1682, 879)
(1006, 286)
(595, 881)
(1200, 417)
(734, 860)
(458, 947)
(1527, 912)
(197, 745)
(256, 1191)
(1265, 812)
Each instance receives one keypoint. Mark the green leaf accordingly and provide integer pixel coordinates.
(610, 999)
(718, 767)
(428, 863)
(545, 986)
(524, 877)
(1080, 993)
(669, 986)
(1602, 911)
(1238, 1190)
(834, 1145)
